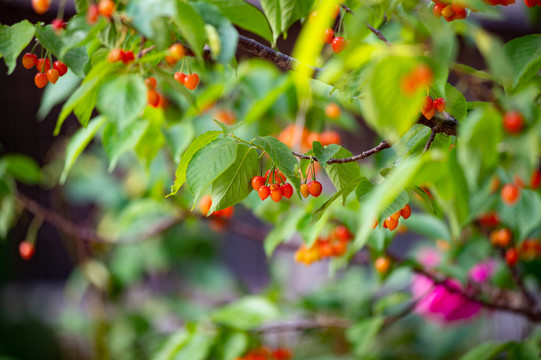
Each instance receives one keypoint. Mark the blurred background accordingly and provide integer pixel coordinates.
(81, 299)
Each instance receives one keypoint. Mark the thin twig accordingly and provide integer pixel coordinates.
(370, 27)
(305, 324)
(433, 133)
(382, 145)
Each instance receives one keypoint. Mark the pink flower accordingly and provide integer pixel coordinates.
(483, 271)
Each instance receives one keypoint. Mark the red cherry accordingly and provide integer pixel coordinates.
(325, 248)
(342, 233)
(406, 211)
(513, 122)
(263, 192)
(191, 81)
(511, 256)
(489, 219)
(438, 7)
(501, 237)
(52, 75)
(106, 8)
(41, 6)
(339, 248)
(287, 190)
(40, 80)
(153, 97)
(391, 223)
(58, 25)
(329, 35)
(530, 3)
(60, 67)
(43, 65)
(29, 60)
(92, 14)
(510, 194)
(338, 44)
(448, 13)
(224, 213)
(276, 192)
(535, 180)
(459, 10)
(315, 188)
(428, 109)
(330, 137)
(150, 82)
(127, 56)
(258, 182)
(180, 77)
(304, 190)
(440, 104)
(26, 250)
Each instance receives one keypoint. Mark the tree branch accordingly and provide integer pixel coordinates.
(382, 145)
(430, 139)
(370, 27)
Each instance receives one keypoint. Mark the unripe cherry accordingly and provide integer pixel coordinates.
(177, 51)
(205, 204)
(304, 190)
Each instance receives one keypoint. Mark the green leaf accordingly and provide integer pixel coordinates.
(192, 27)
(13, 39)
(283, 230)
(208, 163)
(172, 346)
(83, 100)
(398, 203)
(362, 334)
(429, 226)
(234, 185)
(316, 216)
(344, 174)
(456, 102)
(144, 12)
(235, 345)
(228, 35)
(283, 158)
(525, 215)
(22, 168)
(324, 154)
(122, 98)
(492, 50)
(116, 143)
(178, 137)
(180, 174)
(364, 187)
(485, 351)
(388, 109)
(413, 142)
(78, 143)
(54, 95)
(524, 56)
(272, 9)
(8, 211)
(197, 348)
(150, 143)
(245, 16)
(247, 313)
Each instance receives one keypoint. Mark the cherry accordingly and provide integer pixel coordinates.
(150, 82)
(440, 104)
(330, 137)
(332, 111)
(276, 192)
(41, 6)
(191, 81)
(391, 222)
(29, 60)
(438, 7)
(43, 65)
(459, 10)
(205, 204)
(153, 97)
(382, 264)
(58, 25)
(501, 238)
(428, 109)
(40, 80)
(530, 3)
(287, 190)
(177, 51)
(52, 75)
(115, 55)
(338, 44)
(329, 35)
(263, 192)
(224, 213)
(225, 117)
(513, 122)
(342, 233)
(339, 248)
(315, 188)
(257, 182)
(277, 177)
(304, 190)
(325, 248)
(281, 354)
(489, 219)
(420, 77)
(60, 67)
(127, 56)
(92, 14)
(180, 77)
(106, 8)
(511, 256)
(406, 211)
(494, 184)
(375, 224)
(510, 194)
(535, 180)
(26, 250)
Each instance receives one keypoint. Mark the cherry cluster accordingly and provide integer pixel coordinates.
(45, 73)
(420, 77)
(263, 353)
(273, 185)
(528, 250)
(153, 97)
(333, 245)
(117, 54)
(338, 43)
(430, 106)
(449, 11)
(190, 81)
(391, 222)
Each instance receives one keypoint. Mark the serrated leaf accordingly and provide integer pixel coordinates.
(234, 185)
(116, 143)
(344, 174)
(192, 27)
(54, 95)
(283, 230)
(524, 54)
(78, 143)
(272, 9)
(324, 154)
(122, 98)
(199, 142)
(282, 157)
(208, 164)
(246, 313)
(13, 39)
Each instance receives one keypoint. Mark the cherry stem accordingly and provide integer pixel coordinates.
(33, 229)
(61, 7)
